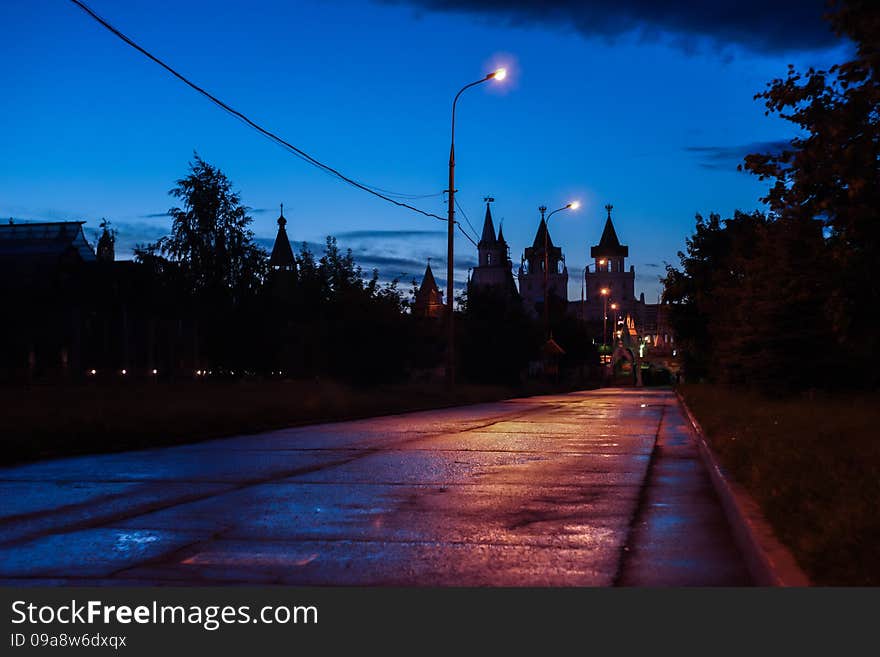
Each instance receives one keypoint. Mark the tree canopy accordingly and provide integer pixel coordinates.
(831, 172)
(211, 243)
(783, 299)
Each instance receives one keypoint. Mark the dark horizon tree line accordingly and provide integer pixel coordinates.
(326, 318)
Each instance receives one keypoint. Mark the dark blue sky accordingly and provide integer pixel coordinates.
(606, 102)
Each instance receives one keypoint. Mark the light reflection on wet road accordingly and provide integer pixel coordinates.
(540, 491)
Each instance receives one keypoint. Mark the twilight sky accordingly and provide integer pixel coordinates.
(645, 105)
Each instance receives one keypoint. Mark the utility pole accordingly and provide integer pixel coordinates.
(499, 75)
(542, 210)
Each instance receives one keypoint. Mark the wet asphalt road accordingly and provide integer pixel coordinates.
(556, 490)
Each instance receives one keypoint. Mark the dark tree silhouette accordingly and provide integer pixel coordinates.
(832, 173)
(211, 242)
(498, 337)
(210, 265)
(747, 302)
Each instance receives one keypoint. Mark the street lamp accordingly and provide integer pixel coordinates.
(584, 284)
(499, 75)
(574, 205)
(614, 307)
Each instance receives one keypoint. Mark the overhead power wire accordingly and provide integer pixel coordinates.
(265, 132)
(465, 234)
(464, 214)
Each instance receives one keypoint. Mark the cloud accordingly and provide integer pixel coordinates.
(759, 26)
(162, 215)
(726, 158)
(386, 234)
(402, 255)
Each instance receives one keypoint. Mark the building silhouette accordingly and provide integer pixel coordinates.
(281, 258)
(632, 315)
(282, 277)
(494, 268)
(428, 300)
(81, 315)
(531, 270)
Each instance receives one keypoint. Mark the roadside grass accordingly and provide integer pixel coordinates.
(813, 465)
(39, 422)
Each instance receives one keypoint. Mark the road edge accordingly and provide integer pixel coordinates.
(769, 561)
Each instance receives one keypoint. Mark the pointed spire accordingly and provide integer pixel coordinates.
(609, 244)
(428, 300)
(488, 237)
(282, 222)
(539, 236)
(282, 254)
(428, 282)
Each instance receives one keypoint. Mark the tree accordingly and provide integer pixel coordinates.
(832, 172)
(338, 322)
(211, 242)
(691, 292)
(498, 338)
(210, 265)
(747, 302)
(106, 247)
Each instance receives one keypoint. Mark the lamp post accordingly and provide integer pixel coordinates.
(574, 205)
(614, 308)
(604, 292)
(499, 75)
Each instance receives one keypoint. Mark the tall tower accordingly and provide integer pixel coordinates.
(609, 256)
(494, 267)
(282, 264)
(531, 270)
(428, 300)
(282, 255)
(106, 248)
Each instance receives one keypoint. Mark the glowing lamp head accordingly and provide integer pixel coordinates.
(499, 75)
(574, 205)
(604, 291)
(613, 306)
(602, 261)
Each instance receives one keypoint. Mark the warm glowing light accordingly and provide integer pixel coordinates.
(574, 205)
(198, 372)
(155, 371)
(604, 291)
(124, 372)
(93, 372)
(602, 261)
(613, 306)
(500, 74)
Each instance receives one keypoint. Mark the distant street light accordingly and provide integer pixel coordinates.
(574, 205)
(498, 75)
(614, 307)
(584, 284)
